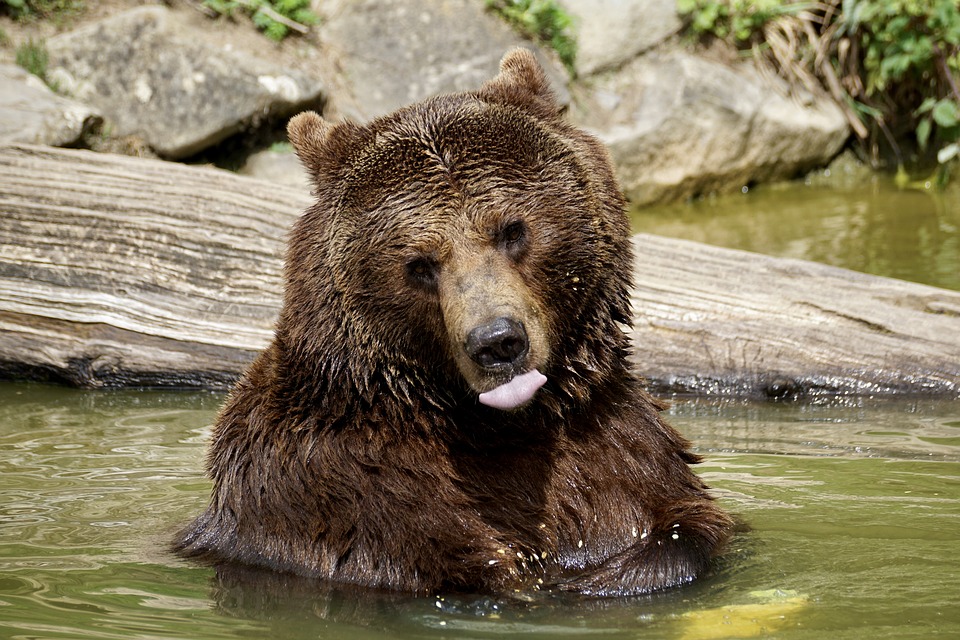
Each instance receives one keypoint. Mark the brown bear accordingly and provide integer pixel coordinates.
(447, 403)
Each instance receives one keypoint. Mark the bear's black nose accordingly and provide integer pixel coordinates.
(503, 341)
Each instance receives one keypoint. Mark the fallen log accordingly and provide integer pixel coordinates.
(123, 271)
(709, 320)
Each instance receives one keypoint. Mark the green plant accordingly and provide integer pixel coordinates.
(32, 55)
(741, 20)
(276, 18)
(893, 65)
(541, 20)
(42, 9)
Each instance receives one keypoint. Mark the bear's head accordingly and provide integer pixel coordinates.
(472, 246)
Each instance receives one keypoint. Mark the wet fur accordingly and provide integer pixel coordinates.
(354, 450)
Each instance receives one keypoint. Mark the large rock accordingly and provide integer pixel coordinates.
(610, 33)
(395, 52)
(679, 125)
(31, 112)
(153, 78)
(277, 167)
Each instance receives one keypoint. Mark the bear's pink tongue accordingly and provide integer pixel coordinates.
(514, 393)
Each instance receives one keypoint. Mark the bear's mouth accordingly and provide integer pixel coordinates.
(514, 393)
(499, 350)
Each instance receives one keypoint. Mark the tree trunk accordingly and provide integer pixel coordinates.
(123, 271)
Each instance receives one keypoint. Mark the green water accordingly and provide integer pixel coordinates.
(853, 512)
(871, 226)
(851, 509)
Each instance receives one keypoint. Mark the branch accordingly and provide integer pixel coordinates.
(302, 29)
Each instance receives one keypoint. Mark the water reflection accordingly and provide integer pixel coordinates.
(875, 228)
(853, 510)
(851, 427)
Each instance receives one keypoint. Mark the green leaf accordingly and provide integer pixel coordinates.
(948, 153)
(684, 6)
(925, 106)
(946, 113)
(923, 133)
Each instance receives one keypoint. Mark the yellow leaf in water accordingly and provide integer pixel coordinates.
(743, 620)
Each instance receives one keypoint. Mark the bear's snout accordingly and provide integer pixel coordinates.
(498, 344)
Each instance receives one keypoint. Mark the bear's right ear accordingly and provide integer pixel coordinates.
(521, 83)
(322, 147)
(308, 134)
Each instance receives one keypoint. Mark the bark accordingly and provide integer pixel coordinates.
(713, 320)
(124, 271)
(118, 270)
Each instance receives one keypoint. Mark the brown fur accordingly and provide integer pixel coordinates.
(354, 449)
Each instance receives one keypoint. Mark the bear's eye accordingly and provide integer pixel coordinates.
(422, 271)
(512, 238)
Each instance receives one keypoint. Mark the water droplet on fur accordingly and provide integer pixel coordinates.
(580, 545)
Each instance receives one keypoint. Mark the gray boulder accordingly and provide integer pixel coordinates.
(277, 167)
(679, 125)
(154, 78)
(395, 52)
(30, 112)
(610, 33)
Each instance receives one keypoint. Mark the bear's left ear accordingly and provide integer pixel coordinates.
(521, 83)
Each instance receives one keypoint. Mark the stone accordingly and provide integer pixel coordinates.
(610, 33)
(277, 167)
(395, 52)
(154, 78)
(679, 125)
(30, 112)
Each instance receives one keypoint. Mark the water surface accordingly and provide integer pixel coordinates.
(853, 512)
(870, 226)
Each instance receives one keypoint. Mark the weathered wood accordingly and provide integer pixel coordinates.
(713, 320)
(117, 270)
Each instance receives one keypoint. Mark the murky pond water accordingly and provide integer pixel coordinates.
(853, 512)
(872, 226)
(851, 509)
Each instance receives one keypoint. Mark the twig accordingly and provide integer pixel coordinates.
(893, 143)
(945, 70)
(833, 83)
(202, 8)
(302, 29)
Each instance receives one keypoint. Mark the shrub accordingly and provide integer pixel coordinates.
(41, 9)
(276, 18)
(891, 64)
(543, 21)
(32, 55)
